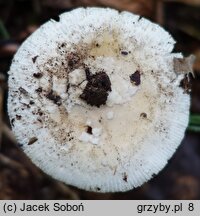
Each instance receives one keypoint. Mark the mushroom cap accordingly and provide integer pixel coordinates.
(129, 137)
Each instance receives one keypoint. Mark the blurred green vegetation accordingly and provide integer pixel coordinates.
(194, 123)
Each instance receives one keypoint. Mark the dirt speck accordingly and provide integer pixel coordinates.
(125, 177)
(54, 97)
(135, 78)
(98, 188)
(18, 117)
(32, 140)
(39, 90)
(89, 129)
(23, 91)
(40, 113)
(124, 53)
(37, 75)
(143, 115)
(34, 58)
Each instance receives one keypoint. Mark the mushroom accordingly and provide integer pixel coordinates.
(94, 99)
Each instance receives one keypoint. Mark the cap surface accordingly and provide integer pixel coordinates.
(94, 99)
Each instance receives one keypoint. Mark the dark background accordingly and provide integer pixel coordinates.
(20, 179)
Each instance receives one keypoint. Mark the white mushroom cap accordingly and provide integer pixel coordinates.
(121, 143)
